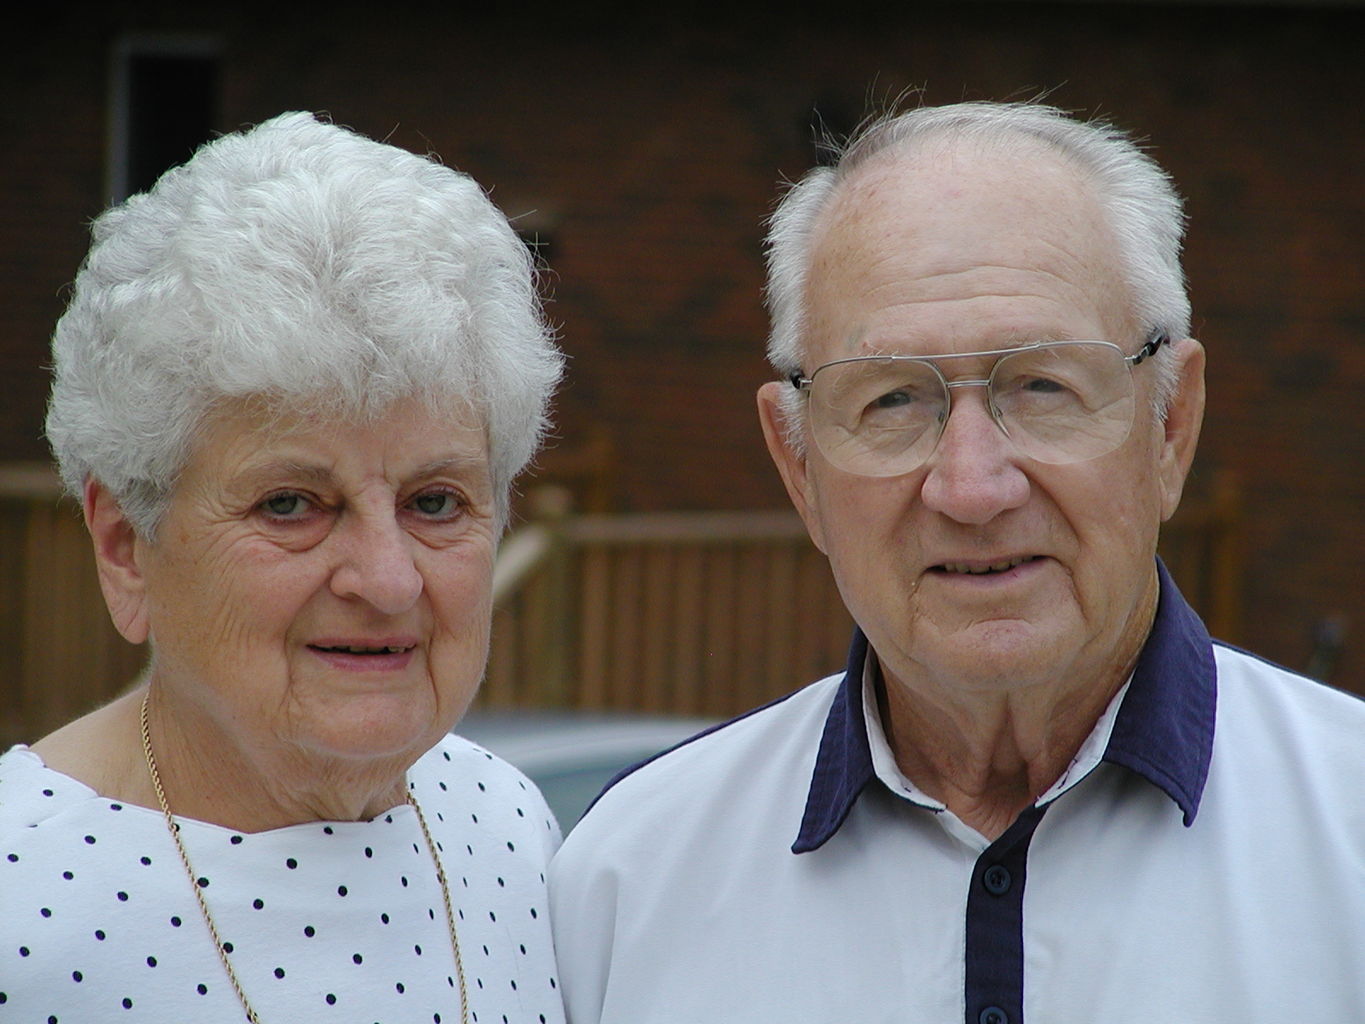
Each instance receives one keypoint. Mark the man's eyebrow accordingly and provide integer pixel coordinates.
(1014, 340)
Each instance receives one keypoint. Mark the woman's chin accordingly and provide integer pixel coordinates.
(372, 730)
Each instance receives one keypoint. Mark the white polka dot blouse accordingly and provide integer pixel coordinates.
(326, 921)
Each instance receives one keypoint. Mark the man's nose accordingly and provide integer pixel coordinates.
(376, 562)
(973, 475)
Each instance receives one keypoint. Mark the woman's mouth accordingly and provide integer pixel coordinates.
(354, 649)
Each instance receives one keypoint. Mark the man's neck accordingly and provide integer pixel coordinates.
(988, 757)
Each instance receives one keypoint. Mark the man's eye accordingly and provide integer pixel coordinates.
(1042, 386)
(286, 505)
(893, 399)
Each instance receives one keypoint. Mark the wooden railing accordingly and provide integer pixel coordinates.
(698, 613)
(701, 613)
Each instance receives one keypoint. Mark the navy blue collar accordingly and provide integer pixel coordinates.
(1163, 731)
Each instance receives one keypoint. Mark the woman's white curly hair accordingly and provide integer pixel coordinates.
(308, 266)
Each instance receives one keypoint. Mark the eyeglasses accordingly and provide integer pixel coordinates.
(1057, 401)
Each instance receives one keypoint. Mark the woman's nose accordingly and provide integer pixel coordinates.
(376, 563)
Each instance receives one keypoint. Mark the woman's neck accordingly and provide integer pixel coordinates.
(208, 776)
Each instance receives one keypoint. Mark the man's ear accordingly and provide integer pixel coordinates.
(790, 464)
(118, 552)
(1183, 421)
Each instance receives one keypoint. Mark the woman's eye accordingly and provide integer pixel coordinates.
(436, 504)
(286, 505)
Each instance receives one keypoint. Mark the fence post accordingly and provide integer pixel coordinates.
(552, 618)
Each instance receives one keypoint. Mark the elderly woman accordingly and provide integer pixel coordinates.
(292, 389)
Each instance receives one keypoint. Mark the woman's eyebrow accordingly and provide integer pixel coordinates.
(453, 464)
(285, 470)
(291, 471)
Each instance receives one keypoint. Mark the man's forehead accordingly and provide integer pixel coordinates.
(963, 223)
(999, 173)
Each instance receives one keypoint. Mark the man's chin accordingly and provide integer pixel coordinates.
(998, 653)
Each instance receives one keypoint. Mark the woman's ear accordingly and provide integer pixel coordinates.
(118, 552)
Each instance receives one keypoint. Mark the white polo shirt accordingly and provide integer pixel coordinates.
(1202, 860)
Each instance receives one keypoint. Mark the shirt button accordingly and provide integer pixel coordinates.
(993, 1015)
(997, 880)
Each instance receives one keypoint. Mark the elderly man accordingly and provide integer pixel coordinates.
(1038, 792)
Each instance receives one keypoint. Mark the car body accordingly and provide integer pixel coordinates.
(572, 755)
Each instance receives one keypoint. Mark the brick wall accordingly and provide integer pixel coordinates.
(647, 149)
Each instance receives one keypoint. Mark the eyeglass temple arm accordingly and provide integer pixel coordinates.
(1155, 341)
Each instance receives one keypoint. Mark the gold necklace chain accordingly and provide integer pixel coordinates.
(174, 830)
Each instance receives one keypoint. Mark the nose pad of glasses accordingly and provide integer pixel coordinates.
(998, 415)
(988, 404)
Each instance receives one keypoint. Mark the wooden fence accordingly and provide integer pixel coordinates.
(60, 656)
(704, 613)
(699, 613)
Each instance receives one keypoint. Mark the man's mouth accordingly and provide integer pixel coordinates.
(983, 568)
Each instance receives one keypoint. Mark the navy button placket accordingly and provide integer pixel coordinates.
(994, 979)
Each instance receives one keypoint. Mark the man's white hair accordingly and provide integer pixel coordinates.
(1138, 198)
(310, 267)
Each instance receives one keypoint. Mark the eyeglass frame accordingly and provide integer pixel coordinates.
(1155, 340)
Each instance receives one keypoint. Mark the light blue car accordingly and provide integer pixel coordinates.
(572, 755)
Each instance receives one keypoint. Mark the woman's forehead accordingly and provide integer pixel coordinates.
(256, 435)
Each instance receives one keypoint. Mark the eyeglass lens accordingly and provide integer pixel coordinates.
(1058, 403)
